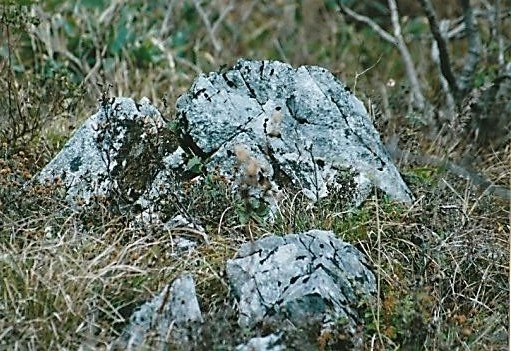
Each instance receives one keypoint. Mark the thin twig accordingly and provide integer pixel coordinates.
(363, 19)
(364, 72)
(216, 45)
(222, 16)
(166, 25)
(418, 99)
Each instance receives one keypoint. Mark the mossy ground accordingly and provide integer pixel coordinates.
(69, 279)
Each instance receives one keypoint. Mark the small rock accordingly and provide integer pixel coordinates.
(270, 342)
(109, 152)
(170, 313)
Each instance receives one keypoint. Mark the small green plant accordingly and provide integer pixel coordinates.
(252, 210)
(194, 165)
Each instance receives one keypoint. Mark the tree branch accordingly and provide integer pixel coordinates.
(445, 64)
(418, 99)
(363, 19)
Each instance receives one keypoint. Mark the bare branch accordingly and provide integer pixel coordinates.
(474, 48)
(166, 25)
(435, 56)
(217, 46)
(445, 64)
(363, 19)
(222, 16)
(498, 34)
(418, 99)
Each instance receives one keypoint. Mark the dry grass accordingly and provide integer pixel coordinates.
(70, 279)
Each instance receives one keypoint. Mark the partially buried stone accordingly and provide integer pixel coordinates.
(167, 315)
(312, 277)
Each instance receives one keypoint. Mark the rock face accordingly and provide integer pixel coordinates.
(167, 314)
(308, 277)
(263, 124)
(281, 126)
(111, 152)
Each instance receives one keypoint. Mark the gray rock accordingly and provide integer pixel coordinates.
(298, 127)
(263, 124)
(264, 343)
(181, 244)
(306, 277)
(166, 316)
(109, 152)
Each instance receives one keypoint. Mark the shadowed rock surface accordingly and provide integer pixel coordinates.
(305, 278)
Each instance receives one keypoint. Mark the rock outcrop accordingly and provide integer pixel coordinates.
(287, 127)
(312, 277)
(262, 124)
(264, 127)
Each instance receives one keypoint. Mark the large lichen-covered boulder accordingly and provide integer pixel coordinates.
(305, 278)
(264, 124)
(284, 127)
